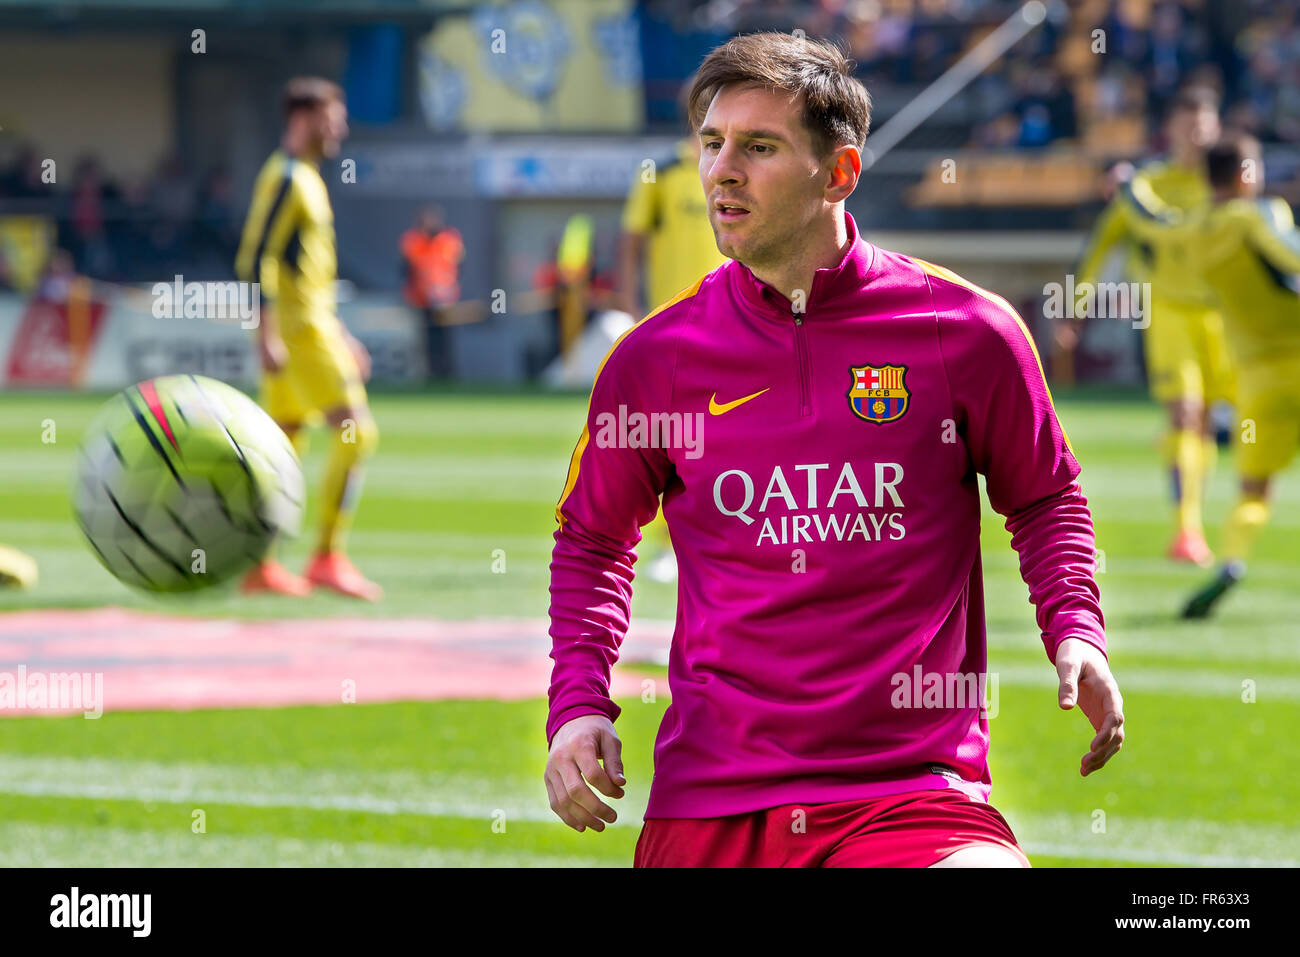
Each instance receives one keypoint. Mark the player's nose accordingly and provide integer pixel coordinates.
(723, 169)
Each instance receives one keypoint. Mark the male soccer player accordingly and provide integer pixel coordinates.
(1248, 250)
(830, 629)
(312, 366)
(1187, 360)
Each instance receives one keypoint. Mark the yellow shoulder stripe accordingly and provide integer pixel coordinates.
(575, 460)
(1006, 307)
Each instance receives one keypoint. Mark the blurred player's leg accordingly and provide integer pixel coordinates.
(354, 439)
(331, 380)
(1245, 523)
(1209, 453)
(1270, 416)
(1177, 380)
(1220, 385)
(269, 575)
(1187, 468)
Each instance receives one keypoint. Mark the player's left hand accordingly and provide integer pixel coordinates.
(1086, 679)
(362, 355)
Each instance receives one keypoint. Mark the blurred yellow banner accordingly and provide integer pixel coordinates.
(529, 65)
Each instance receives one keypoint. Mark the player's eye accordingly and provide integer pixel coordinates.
(762, 147)
(712, 143)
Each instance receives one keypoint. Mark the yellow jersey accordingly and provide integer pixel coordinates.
(288, 244)
(672, 213)
(1165, 257)
(1248, 252)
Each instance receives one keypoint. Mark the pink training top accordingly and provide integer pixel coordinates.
(818, 477)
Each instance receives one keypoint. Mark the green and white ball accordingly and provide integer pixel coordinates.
(183, 482)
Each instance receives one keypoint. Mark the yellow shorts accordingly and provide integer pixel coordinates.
(1268, 405)
(321, 375)
(1187, 354)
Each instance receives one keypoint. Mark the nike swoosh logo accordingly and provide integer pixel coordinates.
(717, 409)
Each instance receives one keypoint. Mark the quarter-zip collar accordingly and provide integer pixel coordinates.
(829, 283)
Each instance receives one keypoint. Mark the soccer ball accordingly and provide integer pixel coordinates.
(183, 482)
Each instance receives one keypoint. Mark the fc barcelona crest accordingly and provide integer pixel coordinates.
(879, 393)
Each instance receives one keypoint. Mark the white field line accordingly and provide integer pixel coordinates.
(1222, 646)
(1208, 684)
(1137, 855)
(388, 792)
(1194, 843)
(45, 845)
(1118, 565)
(1190, 843)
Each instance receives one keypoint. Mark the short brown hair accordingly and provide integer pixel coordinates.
(308, 93)
(1225, 160)
(836, 106)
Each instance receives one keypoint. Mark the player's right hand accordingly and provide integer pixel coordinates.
(576, 753)
(274, 354)
(1086, 679)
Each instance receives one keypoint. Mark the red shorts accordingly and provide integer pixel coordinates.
(915, 829)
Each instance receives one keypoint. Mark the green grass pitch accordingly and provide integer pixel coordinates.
(1205, 778)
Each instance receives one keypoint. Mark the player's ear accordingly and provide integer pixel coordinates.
(846, 167)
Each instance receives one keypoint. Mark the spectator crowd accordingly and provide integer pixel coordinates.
(132, 230)
(1039, 91)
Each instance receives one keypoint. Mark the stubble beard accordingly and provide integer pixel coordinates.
(765, 253)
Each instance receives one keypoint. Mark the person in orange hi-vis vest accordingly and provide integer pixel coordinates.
(431, 257)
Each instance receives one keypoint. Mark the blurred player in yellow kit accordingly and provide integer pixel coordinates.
(312, 366)
(1248, 250)
(666, 231)
(1186, 354)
